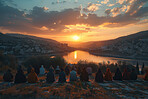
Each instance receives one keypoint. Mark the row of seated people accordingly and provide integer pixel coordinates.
(84, 76)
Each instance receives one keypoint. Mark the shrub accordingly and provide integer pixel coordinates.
(81, 64)
(7, 61)
(45, 60)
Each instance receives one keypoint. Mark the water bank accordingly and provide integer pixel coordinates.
(75, 56)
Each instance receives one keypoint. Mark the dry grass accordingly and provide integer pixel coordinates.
(74, 90)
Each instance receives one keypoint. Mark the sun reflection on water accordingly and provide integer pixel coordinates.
(75, 55)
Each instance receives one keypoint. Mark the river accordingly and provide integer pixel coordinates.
(74, 57)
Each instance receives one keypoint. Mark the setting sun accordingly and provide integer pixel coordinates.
(76, 38)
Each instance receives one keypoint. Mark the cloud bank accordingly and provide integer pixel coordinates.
(42, 21)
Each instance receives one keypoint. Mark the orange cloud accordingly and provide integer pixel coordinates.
(43, 28)
(105, 1)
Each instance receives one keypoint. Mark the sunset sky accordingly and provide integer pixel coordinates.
(62, 20)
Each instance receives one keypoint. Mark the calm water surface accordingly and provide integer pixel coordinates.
(74, 57)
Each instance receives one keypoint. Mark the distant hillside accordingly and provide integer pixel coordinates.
(135, 45)
(31, 37)
(19, 44)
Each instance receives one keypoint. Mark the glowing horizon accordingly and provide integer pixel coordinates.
(89, 20)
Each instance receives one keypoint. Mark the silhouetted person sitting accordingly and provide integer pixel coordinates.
(137, 68)
(42, 70)
(73, 75)
(32, 77)
(99, 76)
(146, 76)
(19, 67)
(20, 77)
(89, 70)
(50, 76)
(108, 75)
(126, 75)
(29, 69)
(133, 75)
(118, 75)
(51, 68)
(57, 70)
(84, 75)
(62, 76)
(78, 70)
(142, 70)
(8, 77)
(67, 70)
(36, 69)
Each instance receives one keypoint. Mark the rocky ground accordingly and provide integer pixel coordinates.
(75, 90)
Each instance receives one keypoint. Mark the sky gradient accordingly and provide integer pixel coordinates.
(91, 20)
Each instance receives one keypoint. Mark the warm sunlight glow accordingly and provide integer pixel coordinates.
(75, 55)
(76, 38)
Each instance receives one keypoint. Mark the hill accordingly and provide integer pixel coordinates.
(18, 44)
(132, 46)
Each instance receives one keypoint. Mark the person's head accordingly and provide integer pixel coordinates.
(19, 67)
(51, 66)
(30, 66)
(57, 66)
(32, 70)
(20, 71)
(8, 70)
(73, 68)
(99, 70)
(108, 70)
(42, 66)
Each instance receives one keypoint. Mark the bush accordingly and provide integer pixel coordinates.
(46, 61)
(84, 64)
(7, 61)
(113, 66)
(103, 66)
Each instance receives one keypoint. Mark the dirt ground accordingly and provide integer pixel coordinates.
(75, 90)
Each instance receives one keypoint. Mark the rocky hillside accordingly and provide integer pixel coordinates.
(135, 45)
(18, 44)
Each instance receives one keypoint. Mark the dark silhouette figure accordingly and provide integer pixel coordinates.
(51, 69)
(99, 76)
(126, 75)
(29, 69)
(57, 70)
(142, 70)
(19, 67)
(118, 75)
(108, 75)
(84, 75)
(89, 70)
(146, 76)
(73, 75)
(133, 75)
(78, 70)
(67, 70)
(20, 77)
(8, 77)
(50, 76)
(37, 70)
(32, 77)
(137, 68)
(62, 76)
